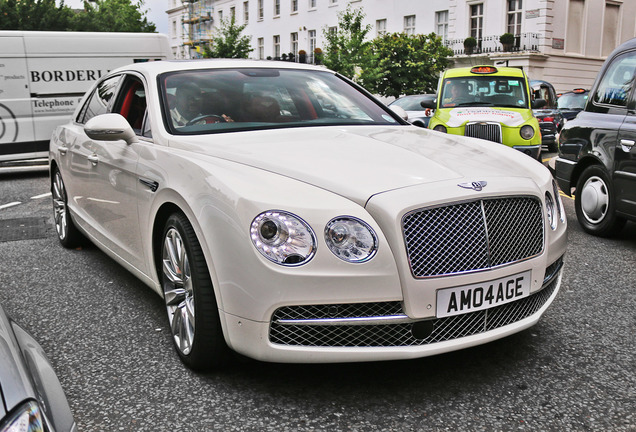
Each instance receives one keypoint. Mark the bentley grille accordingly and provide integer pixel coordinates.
(337, 325)
(473, 235)
(487, 131)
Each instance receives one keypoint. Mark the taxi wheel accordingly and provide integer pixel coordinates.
(189, 296)
(67, 233)
(594, 203)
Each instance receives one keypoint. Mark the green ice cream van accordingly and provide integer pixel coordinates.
(492, 103)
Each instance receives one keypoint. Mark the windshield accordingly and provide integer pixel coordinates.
(479, 91)
(410, 103)
(221, 100)
(572, 101)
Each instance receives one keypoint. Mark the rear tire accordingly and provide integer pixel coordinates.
(192, 309)
(67, 233)
(594, 203)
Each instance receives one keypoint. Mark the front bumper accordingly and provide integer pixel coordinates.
(533, 150)
(382, 331)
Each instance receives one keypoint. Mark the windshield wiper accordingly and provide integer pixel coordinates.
(475, 104)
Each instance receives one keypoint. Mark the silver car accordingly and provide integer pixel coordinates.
(32, 397)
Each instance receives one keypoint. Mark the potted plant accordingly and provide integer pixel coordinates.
(507, 41)
(302, 56)
(318, 56)
(469, 45)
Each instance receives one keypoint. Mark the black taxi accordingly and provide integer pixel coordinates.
(597, 155)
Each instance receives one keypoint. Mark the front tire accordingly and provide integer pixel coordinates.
(594, 203)
(189, 296)
(67, 233)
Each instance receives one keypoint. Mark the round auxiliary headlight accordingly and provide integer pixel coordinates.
(351, 239)
(526, 132)
(440, 128)
(283, 238)
(551, 210)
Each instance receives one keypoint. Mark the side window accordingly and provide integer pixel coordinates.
(131, 102)
(98, 101)
(618, 81)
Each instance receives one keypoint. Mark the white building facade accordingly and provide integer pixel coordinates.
(560, 41)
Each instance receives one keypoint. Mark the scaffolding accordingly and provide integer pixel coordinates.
(197, 22)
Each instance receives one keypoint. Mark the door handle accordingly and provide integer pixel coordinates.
(93, 159)
(627, 145)
(62, 150)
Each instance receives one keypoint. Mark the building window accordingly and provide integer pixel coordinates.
(477, 21)
(514, 17)
(610, 28)
(294, 44)
(409, 24)
(233, 12)
(312, 4)
(246, 11)
(311, 34)
(574, 34)
(333, 2)
(261, 48)
(380, 27)
(220, 16)
(276, 7)
(294, 6)
(332, 30)
(260, 9)
(277, 47)
(441, 24)
(174, 28)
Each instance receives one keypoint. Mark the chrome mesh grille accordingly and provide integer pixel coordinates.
(473, 235)
(487, 131)
(393, 335)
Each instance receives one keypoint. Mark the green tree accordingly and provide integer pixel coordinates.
(228, 43)
(346, 47)
(35, 15)
(113, 16)
(399, 64)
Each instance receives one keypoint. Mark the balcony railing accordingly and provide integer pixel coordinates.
(528, 42)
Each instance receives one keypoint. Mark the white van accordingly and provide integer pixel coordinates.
(43, 76)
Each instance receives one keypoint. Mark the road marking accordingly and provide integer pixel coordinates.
(563, 194)
(13, 204)
(44, 195)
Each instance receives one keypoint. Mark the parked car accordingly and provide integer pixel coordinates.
(416, 113)
(549, 117)
(571, 103)
(490, 103)
(597, 156)
(284, 213)
(33, 399)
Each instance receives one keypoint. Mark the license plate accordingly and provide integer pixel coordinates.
(484, 295)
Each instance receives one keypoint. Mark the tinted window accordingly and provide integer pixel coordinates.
(617, 83)
(98, 102)
(220, 100)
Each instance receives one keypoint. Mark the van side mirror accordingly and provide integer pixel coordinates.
(429, 101)
(110, 127)
(539, 103)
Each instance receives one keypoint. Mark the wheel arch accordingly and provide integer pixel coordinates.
(581, 166)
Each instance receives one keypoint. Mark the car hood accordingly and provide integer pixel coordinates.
(456, 117)
(361, 161)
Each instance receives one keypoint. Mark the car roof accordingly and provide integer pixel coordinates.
(159, 67)
(466, 71)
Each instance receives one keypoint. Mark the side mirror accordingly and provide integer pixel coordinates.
(110, 127)
(539, 103)
(429, 101)
(400, 112)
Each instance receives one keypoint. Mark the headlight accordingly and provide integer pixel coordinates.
(351, 239)
(440, 128)
(559, 201)
(526, 132)
(26, 418)
(551, 210)
(283, 238)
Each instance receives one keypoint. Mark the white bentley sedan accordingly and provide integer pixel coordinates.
(285, 214)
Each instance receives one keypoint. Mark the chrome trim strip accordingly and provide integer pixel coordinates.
(566, 161)
(377, 320)
(629, 175)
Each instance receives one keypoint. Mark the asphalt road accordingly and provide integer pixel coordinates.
(106, 335)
